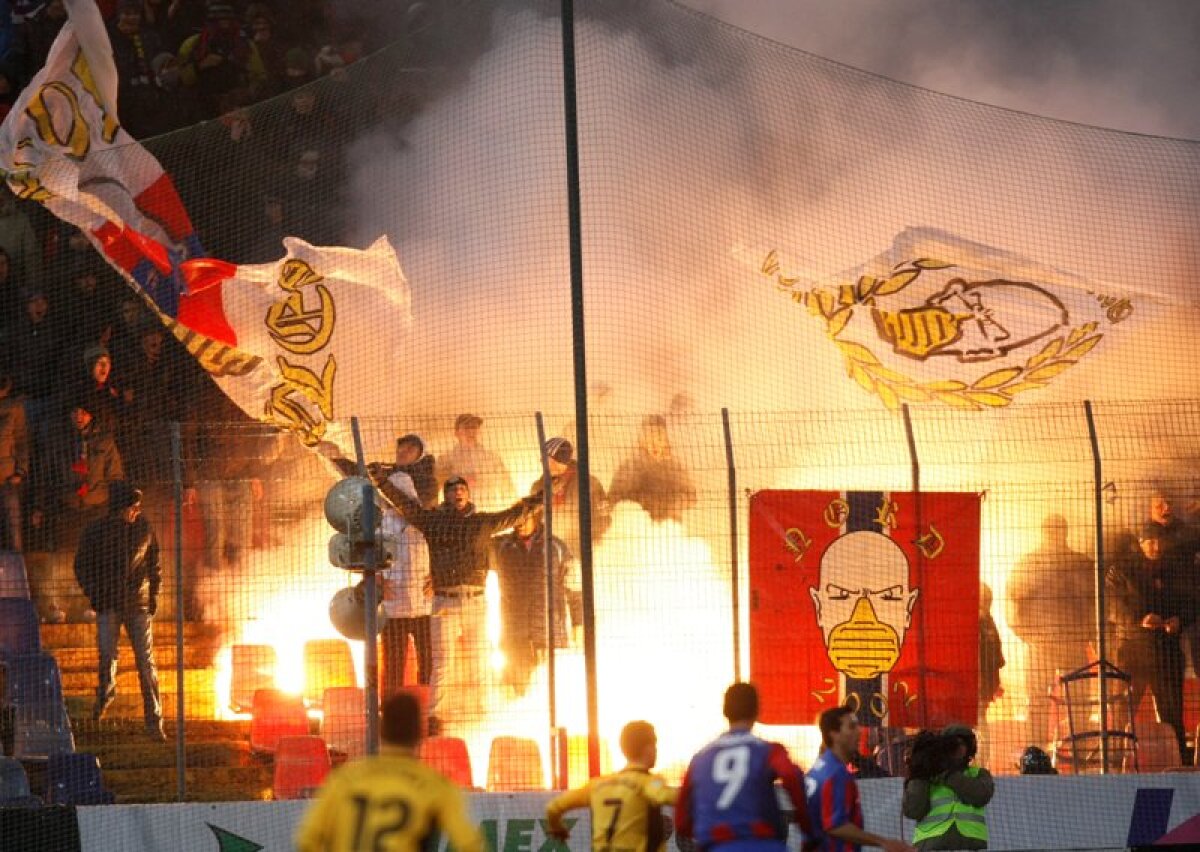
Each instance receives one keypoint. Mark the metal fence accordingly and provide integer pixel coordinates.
(248, 653)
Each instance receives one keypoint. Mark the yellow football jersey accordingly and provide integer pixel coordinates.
(626, 810)
(386, 803)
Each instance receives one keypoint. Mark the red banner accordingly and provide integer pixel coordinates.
(865, 598)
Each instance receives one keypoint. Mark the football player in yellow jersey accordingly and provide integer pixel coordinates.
(626, 806)
(389, 802)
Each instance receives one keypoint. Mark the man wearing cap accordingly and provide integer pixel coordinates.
(486, 475)
(560, 455)
(412, 459)
(1147, 620)
(459, 538)
(117, 566)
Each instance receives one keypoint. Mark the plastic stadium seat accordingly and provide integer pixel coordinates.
(515, 766)
(1157, 749)
(14, 785)
(345, 724)
(74, 779)
(253, 669)
(327, 662)
(301, 764)
(40, 720)
(449, 756)
(14, 580)
(18, 627)
(276, 715)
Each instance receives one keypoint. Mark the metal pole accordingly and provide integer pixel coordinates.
(551, 584)
(371, 603)
(180, 735)
(1101, 644)
(733, 548)
(919, 555)
(584, 479)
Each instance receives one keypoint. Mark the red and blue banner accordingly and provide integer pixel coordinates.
(865, 598)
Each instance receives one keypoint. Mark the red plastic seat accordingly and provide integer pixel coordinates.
(1191, 703)
(345, 724)
(327, 663)
(515, 766)
(301, 764)
(253, 669)
(449, 756)
(276, 715)
(1157, 749)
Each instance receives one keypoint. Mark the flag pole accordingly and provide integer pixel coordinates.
(583, 478)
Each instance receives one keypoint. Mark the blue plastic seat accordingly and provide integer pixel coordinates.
(18, 628)
(40, 714)
(14, 785)
(14, 580)
(75, 779)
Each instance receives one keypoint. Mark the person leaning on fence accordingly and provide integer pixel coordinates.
(459, 539)
(626, 806)
(389, 802)
(117, 566)
(945, 794)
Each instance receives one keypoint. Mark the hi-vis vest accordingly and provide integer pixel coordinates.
(946, 809)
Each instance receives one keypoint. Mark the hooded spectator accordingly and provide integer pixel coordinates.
(260, 24)
(220, 59)
(297, 68)
(99, 393)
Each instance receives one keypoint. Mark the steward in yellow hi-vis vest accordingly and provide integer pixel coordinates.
(945, 794)
(390, 802)
(626, 806)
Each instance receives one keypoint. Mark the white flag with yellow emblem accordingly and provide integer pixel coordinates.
(939, 319)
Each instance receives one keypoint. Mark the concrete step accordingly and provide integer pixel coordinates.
(129, 730)
(200, 634)
(127, 753)
(200, 699)
(205, 784)
(195, 656)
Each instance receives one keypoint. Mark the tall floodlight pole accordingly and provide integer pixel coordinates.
(584, 479)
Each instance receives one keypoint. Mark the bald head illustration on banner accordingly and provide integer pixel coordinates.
(863, 603)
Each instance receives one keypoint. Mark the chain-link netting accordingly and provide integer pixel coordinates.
(801, 244)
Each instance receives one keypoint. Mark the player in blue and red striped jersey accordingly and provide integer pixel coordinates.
(727, 800)
(834, 807)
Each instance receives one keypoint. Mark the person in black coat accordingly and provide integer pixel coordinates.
(117, 566)
(459, 540)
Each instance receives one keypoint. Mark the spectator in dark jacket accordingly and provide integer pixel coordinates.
(99, 393)
(458, 539)
(521, 569)
(14, 464)
(565, 505)
(653, 478)
(411, 458)
(32, 355)
(991, 653)
(1147, 620)
(133, 47)
(117, 566)
(75, 466)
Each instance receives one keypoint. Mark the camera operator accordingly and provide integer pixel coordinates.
(944, 793)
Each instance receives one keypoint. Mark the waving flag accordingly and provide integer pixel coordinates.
(865, 598)
(941, 320)
(277, 337)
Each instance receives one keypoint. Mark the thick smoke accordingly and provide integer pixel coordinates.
(1112, 63)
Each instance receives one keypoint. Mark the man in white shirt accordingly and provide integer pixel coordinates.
(487, 476)
(407, 594)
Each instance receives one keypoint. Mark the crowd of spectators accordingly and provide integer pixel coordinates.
(89, 378)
